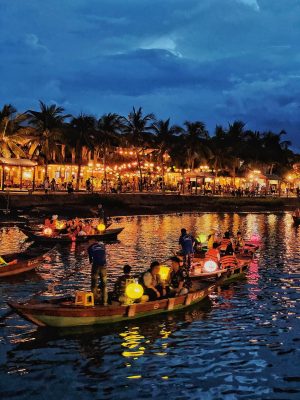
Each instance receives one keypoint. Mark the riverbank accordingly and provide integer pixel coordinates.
(83, 204)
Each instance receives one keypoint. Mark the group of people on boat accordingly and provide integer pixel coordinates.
(74, 227)
(221, 251)
(154, 287)
(178, 281)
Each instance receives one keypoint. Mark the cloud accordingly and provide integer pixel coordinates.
(214, 60)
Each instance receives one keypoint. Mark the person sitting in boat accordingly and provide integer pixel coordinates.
(179, 283)
(97, 257)
(4, 263)
(151, 282)
(229, 260)
(187, 245)
(54, 221)
(211, 239)
(238, 242)
(226, 240)
(213, 254)
(120, 284)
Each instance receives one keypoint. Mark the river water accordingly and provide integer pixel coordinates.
(243, 343)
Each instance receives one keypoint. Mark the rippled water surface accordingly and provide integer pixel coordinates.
(241, 344)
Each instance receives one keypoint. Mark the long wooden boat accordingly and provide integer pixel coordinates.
(226, 274)
(25, 262)
(63, 313)
(108, 235)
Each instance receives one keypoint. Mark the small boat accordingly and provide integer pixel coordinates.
(64, 313)
(227, 274)
(107, 235)
(25, 262)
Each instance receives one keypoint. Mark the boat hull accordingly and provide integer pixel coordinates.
(108, 235)
(22, 266)
(70, 315)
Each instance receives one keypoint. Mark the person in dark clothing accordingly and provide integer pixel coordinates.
(97, 257)
(179, 282)
(187, 244)
(120, 284)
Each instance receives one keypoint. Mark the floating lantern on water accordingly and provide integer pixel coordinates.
(101, 227)
(164, 272)
(134, 291)
(210, 266)
(202, 238)
(47, 231)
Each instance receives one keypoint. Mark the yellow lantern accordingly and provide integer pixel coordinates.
(60, 225)
(101, 227)
(164, 272)
(202, 238)
(48, 231)
(134, 291)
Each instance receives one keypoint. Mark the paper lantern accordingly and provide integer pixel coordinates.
(101, 227)
(48, 231)
(134, 291)
(210, 266)
(164, 272)
(202, 238)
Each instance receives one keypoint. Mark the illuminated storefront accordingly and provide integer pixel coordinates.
(17, 173)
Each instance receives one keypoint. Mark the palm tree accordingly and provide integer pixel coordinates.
(81, 133)
(12, 133)
(109, 127)
(136, 129)
(195, 138)
(164, 141)
(48, 124)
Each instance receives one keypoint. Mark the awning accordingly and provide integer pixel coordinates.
(17, 162)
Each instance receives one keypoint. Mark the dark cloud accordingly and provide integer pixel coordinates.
(214, 60)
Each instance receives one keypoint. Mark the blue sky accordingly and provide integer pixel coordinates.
(209, 60)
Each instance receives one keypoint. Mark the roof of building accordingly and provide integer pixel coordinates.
(17, 162)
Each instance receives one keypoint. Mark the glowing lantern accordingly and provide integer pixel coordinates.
(101, 227)
(164, 271)
(202, 238)
(210, 266)
(60, 225)
(47, 231)
(134, 291)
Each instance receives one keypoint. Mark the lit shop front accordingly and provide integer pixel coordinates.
(17, 174)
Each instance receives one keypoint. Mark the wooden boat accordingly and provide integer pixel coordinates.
(107, 235)
(63, 313)
(25, 262)
(234, 272)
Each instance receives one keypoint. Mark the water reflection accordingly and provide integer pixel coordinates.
(242, 344)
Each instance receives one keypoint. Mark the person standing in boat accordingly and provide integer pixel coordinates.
(97, 257)
(187, 245)
(101, 214)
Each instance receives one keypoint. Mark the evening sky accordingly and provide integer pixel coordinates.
(211, 60)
